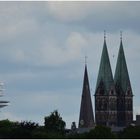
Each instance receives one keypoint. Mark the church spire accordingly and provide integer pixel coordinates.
(104, 35)
(86, 60)
(121, 36)
(123, 90)
(105, 77)
(121, 77)
(86, 118)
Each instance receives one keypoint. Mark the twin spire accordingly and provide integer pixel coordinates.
(105, 35)
(105, 83)
(105, 76)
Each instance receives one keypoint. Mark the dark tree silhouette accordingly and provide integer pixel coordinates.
(100, 132)
(54, 122)
(131, 132)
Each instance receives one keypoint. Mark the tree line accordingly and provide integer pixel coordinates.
(54, 127)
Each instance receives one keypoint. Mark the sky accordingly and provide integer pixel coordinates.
(42, 54)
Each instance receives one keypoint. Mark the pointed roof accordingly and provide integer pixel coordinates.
(105, 76)
(121, 77)
(86, 118)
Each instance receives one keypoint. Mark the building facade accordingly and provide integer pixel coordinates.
(105, 93)
(124, 91)
(113, 96)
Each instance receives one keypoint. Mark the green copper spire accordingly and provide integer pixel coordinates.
(105, 78)
(121, 77)
(86, 118)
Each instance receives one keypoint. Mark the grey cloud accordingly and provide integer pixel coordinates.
(42, 53)
(98, 15)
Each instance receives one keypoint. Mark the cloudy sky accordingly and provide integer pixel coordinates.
(42, 51)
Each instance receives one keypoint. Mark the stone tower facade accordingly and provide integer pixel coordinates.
(105, 93)
(124, 91)
(113, 97)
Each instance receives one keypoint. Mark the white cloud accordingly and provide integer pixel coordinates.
(52, 54)
(74, 11)
(12, 31)
(69, 11)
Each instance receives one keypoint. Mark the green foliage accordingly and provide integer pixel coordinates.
(55, 128)
(40, 133)
(24, 129)
(6, 123)
(6, 128)
(54, 123)
(77, 136)
(10, 129)
(28, 125)
(131, 132)
(100, 132)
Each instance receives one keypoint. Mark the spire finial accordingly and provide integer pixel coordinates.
(121, 35)
(86, 59)
(104, 34)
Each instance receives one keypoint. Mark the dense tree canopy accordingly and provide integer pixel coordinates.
(10, 129)
(131, 132)
(54, 122)
(54, 127)
(101, 132)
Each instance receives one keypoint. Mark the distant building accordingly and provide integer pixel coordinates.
(73, 127)
(113, 97)
(105, 93)
(86, 118)
(124, 91)
(137, 119)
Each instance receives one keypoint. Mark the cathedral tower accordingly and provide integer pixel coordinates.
(124, 91)
(86, 118)
(105, 94)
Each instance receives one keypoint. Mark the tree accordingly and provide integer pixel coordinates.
(131, 132)
(100, 132)
(77, 136)
(23, 129)
(28, 125)
(54, 123)
(40, 133)
(6, 128)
